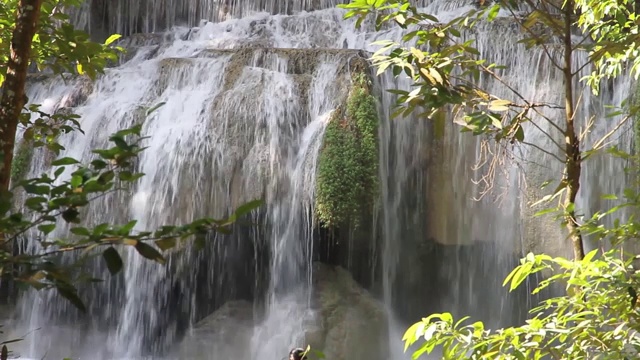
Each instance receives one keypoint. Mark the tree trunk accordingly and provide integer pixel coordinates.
(572, 165)
(12, 97)
(12, 100)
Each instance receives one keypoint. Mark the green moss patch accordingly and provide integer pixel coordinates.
(21, 161)
(347, 178)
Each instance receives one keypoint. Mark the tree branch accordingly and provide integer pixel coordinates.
(544, 151)
(600, 142)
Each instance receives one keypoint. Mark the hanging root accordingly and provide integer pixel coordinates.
(493, 167)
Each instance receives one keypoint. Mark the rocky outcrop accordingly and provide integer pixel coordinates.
(353, 325)
(349, 324)
(226, 334)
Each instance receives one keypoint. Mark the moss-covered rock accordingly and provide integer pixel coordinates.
(353, 325)
(347, 178)
(21, 161)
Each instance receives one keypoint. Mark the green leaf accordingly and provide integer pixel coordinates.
(113, 260)
(47, 228)
(112, 38)
(154, 108)
(493, 12)
(519, 135)
(36, 189)
(587, 258)
(245, 209)
(65, 161)
(71, 294)
(81, 231)
(127, 228)
(521, 274)
(76, 181)
(71, 215)
(166, 244)
(99, 164)
(545, 211)
(128, 176)
(35, 202)
(149, 252)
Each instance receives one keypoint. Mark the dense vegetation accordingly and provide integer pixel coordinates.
(597, 316)
(37, 32)
(347, 178)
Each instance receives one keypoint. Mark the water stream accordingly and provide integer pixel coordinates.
(246, 102)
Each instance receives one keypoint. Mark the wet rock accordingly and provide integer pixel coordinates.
(353, 324)
(5, 312)
(225, 334)
(139, 40)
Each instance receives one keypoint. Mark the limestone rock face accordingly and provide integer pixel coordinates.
(350, 324)
(226, 334)
(5, 313)
(353, 324)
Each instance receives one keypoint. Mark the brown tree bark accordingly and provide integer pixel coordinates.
(12, 96)
(12, 100)
(573, 161)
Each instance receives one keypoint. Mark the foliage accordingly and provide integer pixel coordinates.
(348, 166)
(613, 29)
(55, 200)
(51, 214)
(597, 317)
(312, 354)
(57, 46)
(58, 199)
(445, 70)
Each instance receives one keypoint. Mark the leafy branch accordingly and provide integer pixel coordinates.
(55, 200)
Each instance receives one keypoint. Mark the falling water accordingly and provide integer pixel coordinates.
(246, 102)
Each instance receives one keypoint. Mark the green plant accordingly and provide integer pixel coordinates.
(597, 317)
(21, 160)
(38, 32)
(347, 178)
(445, 71)
(48, 200)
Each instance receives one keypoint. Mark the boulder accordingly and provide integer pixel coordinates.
(353, 325)
(225, 334)
(348, 324)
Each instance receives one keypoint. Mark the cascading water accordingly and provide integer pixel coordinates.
(246, 104)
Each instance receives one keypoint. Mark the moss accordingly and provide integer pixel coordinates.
(21, 161)
(636, 118)
(347, 180)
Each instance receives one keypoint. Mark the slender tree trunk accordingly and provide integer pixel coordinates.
(12, 100)
(573, 165)
(12, 97)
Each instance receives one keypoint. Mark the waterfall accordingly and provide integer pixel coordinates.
(246, 102)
